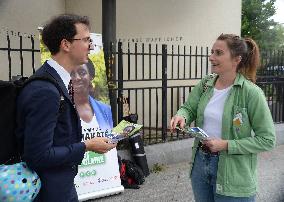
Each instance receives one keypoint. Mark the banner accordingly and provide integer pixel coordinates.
(98, 175)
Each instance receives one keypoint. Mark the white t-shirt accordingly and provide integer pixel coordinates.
(213, 113)
(91, 129)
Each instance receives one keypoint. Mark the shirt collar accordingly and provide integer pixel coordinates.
(64, 75)
(239, 80)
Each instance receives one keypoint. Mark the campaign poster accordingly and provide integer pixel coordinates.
(98, 175)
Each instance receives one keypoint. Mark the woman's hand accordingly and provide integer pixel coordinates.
(177, 120)
(216, 145)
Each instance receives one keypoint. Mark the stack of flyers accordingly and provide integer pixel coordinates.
(115, 138)
(194, 132)
(124, 130)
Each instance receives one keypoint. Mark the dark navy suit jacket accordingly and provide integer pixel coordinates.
(50, 128)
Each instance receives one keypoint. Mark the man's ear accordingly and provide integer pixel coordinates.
(65, 45)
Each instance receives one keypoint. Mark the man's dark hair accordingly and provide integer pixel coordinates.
(59, 28)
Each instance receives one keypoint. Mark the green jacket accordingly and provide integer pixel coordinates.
(245, 110)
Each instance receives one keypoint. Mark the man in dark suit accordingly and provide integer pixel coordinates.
(48, 122)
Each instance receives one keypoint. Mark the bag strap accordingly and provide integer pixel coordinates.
(44, 77)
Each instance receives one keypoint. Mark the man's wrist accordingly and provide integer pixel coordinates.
(86, 146)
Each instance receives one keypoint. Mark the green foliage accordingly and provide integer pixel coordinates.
(100, 80)
(257, 23)
(279, 29)
(158, 168)
(44, 52)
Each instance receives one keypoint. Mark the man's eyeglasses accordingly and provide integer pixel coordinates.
(85, 39)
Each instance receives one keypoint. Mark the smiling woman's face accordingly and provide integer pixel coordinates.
(221, 59)
(81, 80)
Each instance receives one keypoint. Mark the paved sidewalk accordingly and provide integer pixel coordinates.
(173, 183)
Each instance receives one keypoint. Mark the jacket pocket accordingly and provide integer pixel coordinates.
(240, 122)
(239, 170)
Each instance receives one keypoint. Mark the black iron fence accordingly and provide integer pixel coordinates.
(271, 80)
(17, 52)
(153, 81)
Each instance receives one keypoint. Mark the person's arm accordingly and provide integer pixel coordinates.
(189, 109)
(261, 123)
(41, 101)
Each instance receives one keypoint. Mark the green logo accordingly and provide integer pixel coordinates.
(88, 173)
(92, 158)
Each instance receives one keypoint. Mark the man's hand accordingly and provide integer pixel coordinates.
(216, 145)
(177, 120)
(99, 145)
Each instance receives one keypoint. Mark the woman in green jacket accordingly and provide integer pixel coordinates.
(233, 111)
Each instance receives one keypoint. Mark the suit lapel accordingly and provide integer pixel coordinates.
(55, 75)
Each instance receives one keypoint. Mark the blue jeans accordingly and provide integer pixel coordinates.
(203, 180)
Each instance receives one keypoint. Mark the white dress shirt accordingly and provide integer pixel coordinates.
(64, 75)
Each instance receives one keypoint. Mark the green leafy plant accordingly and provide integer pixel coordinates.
(100, 80)
(158, 168)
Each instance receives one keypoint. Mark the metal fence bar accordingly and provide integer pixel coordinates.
(157, 112)
(120, 82)
(128, 62)
(143, 61)
(207, 65)
(150, 63)
(136, 105)
(143, 111)
(111, 71)
(9, 57)
(201, 63)
(178, 67)
(150, 111)
(33, 53)
(21, 56)
(196, 59)
(164, 92)
(135, 60)
(190, 62)
(172, 64)
(184, 59)
(156, 61)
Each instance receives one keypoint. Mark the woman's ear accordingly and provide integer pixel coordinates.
(91, 85)
(91, 89)
(238, 60)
